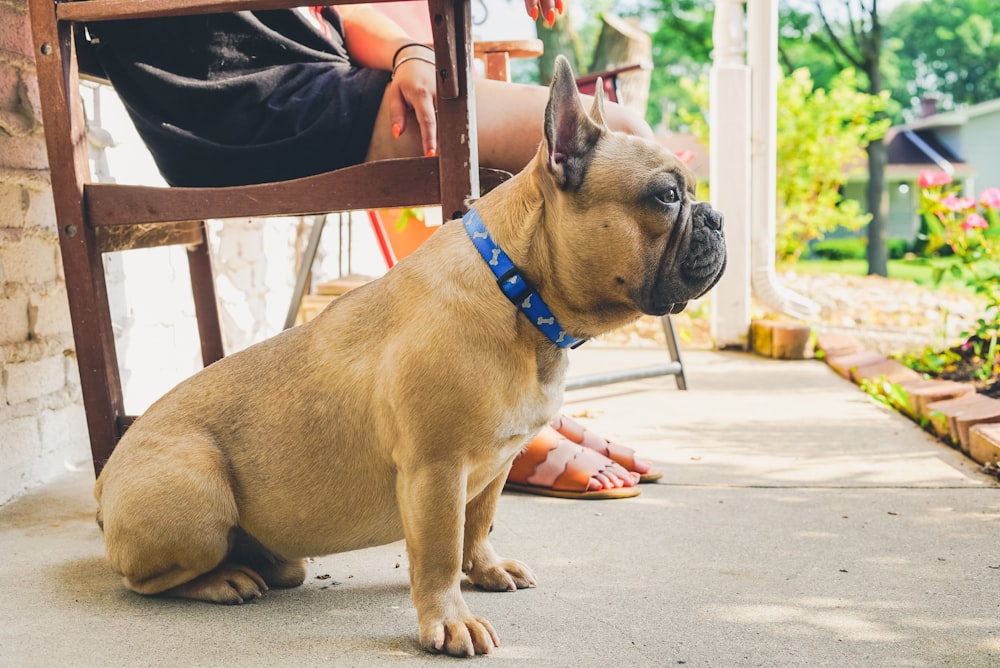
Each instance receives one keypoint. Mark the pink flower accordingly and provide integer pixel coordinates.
(975, 222)
(686, 157)
(929, 179)
(953, 203)
(991, 198)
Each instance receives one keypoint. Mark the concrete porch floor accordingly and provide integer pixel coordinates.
(798, 524)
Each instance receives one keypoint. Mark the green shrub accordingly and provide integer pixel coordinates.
(855, 248)
(898, 248)
(841, 249)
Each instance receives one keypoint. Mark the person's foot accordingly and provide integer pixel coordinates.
(622, 455)
(552, 465)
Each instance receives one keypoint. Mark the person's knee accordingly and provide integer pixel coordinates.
(623, 119)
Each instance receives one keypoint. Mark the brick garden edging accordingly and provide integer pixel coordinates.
(952, 411)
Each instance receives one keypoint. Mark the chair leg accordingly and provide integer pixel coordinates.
(672, 368)
(100, 381)
(83, 267)
(675, 350)
(206, 306)
(305, 269)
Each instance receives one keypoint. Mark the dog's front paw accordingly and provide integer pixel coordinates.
(504, 575)
(466, 636)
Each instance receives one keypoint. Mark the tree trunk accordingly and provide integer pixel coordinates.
(878, 260)
(621, 43)
(878, 249)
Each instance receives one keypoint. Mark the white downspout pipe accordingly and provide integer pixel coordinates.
(762, 56)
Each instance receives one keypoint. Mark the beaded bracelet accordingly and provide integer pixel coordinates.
(406, 46)
(403, 60)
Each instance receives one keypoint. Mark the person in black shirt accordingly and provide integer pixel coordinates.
(250, 97)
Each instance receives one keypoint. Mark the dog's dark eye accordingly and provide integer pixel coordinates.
(669, 196)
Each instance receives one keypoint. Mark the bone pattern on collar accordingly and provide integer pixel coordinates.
(521, 293)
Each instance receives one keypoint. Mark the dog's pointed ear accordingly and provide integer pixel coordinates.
(570, 134)
(597, 109)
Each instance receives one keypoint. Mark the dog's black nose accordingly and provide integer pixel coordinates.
(714, 220)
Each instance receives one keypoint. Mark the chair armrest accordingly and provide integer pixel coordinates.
(516, 48)
(496, 55)
(611, 74)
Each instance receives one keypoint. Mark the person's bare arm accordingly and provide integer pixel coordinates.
(372, 37)
(372, 40)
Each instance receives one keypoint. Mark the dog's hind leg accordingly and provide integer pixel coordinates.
(229, 583)
(170, 521)
(275, 569)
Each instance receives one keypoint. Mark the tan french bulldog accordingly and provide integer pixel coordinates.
(397, 412)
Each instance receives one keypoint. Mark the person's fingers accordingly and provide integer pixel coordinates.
(397, 111)
(531, 6)
(423, 109)
(417, 89)
(545, 8)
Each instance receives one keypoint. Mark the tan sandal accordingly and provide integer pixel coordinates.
(552, 465)
(621, 454)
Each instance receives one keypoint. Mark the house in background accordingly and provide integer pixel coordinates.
(962, 143)
(971, 134)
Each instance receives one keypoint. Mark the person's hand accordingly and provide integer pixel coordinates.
(414, 86)
(545, 8)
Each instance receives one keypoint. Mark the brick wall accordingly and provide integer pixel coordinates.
(42, 426)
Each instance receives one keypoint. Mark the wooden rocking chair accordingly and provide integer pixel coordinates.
(94, 218)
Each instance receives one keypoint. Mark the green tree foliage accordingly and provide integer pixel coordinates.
(803, 42)
(682, 48)
(821, 132)
(850, 33)
(947, 48)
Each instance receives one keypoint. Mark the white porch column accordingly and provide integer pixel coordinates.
(729, 148)
(762, 55)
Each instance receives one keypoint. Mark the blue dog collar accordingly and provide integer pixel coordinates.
(521, 293)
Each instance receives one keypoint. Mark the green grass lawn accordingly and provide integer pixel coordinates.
(918, 270)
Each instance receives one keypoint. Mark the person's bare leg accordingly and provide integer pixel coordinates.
(509, 118)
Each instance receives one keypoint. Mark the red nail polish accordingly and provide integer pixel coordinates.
(534, 13)
(432, 153)
(396, 130)
(550, 18)
(559, 6)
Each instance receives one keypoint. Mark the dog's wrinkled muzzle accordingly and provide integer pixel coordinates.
(699, 270)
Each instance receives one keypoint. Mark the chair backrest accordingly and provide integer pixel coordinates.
(94, 218)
